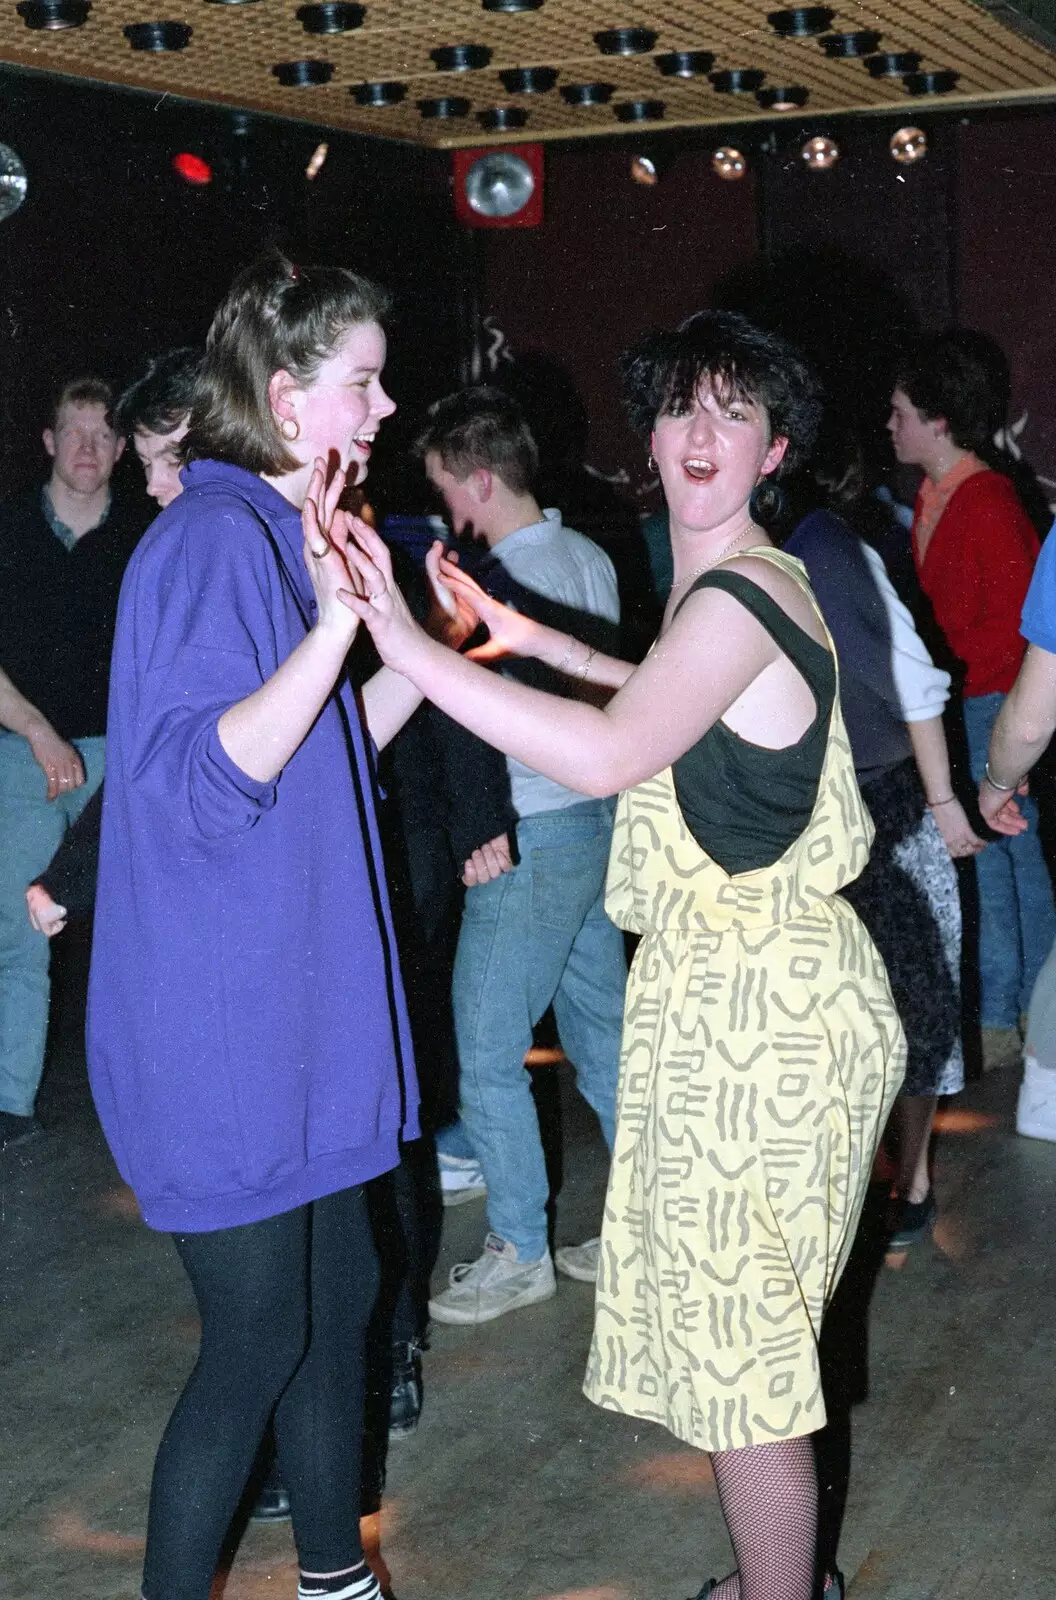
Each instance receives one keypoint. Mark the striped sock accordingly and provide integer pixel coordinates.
(357, 1583)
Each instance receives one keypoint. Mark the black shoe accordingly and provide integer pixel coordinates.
(16, 1130)
(405, 1405)
(273, 1502)
(911, 1220)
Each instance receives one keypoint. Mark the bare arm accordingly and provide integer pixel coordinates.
(55, 756)
(1023, 729)
(933, 763)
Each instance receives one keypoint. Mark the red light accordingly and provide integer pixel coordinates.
(192, 169)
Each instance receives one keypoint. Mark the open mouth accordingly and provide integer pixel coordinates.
(363, 443)
(699, 469)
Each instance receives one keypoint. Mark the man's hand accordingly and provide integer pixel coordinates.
(488, 861)
(56, 758)
(46, 915)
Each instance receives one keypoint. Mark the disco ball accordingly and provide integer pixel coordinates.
(13, 182)
(820, 153)
(729, 164)
(499, 184)
(908, 145)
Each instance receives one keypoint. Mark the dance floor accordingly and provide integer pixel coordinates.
(514, 1487)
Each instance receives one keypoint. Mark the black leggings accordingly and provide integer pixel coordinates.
(284, 1305)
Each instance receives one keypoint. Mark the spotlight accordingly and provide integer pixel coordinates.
(502, 119)
(892, 63)
(379, 94)
(192, 169)
(460, 57)
(331, 16)
(302, 74)
(54, 14)
(13, 182)
(686, 63)
(528, 80)
(158, 36)
(588, 94)
(820, 154)
(848, 46)
(940, 82)
(908, 145)
(499, 188)
(512, 6)
(728, 163)
(651, 165)
(791, 99)
(316, 161)
(640, 110)
(803, 22)
(625, 41)
(738, 80)
(444, 107)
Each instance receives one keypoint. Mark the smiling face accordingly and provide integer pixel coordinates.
(84, 448)
(340, 409)
(159, 457)
(711, 456)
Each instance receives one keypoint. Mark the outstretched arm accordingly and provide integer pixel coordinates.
(1023, 729)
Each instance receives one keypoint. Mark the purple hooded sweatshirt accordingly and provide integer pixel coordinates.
(247, 1037)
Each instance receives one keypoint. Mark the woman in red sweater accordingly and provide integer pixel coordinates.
(975, 548)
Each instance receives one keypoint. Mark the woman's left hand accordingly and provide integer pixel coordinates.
(999, 810)
(959, 837)
(327, 531)
(375, 598)
(450, 619)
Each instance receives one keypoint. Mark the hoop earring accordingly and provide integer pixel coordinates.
(651, 464)
(289, 429)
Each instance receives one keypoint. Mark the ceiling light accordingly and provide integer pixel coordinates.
(460, 57)
(512, 5)
(231, 2)
(650, 165)
(820, 153)
(790, 99)
(738, 80)
(908, 145)
(892, 63)
(940, 82)
(54, 14)
(445, 106)
(378, 95)
(302, 74)
(13, 182)
(158, 36)
(316, 161)
(331, 16)
(502, 119)
(499, 184)
(192, 169)
(728, 163)
(803, 22)
(625, 41)
(587, 94)
(686, 63)
(848, 46)
(528, 80)
(640, 110)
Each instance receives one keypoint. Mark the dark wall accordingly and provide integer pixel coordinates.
(112, 257)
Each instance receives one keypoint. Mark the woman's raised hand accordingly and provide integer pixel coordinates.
(451, 619)
(327, 532)
(375, 598)
(511, 633)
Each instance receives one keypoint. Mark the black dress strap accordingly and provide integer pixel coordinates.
(790, 638)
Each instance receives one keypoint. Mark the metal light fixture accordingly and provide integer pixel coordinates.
(738, 80)
(13, 182)
(850, 46)
(792, 98)
(892, 63)
(940, 82)
(378, 95)
(802, 22)
(499, 184)
(625, 41)
(587, 94)
(640, 110)
(331, 16)
(445, 107)
(158, 36)
(512, 5)
(686, 63)
(528, 80)
(502, 119)
(54, 14)
(302, 74)
(728, 163)
(460, 57)
(651, 163)
(820, 153)
(908, 145)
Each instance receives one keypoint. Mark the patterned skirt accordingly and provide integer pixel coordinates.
(909, 901)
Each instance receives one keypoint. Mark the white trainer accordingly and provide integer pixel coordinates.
(1036, 1110)
(579, 1260)
(461, 1179)
(481, 1290)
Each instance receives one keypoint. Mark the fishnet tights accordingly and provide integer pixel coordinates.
(769, 1497)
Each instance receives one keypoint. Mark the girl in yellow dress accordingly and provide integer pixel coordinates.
(761, 1049)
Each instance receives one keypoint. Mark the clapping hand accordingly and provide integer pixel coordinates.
(328, 531)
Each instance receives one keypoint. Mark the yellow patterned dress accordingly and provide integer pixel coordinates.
(761, 1056)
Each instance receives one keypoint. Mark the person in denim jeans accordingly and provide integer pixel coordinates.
(534, 929)
(975, 549)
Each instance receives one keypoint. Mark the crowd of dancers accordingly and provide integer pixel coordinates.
(767, 804)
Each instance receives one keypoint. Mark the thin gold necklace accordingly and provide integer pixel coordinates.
(714, 561)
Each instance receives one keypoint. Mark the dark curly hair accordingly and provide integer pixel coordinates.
(961, 376)
(663, 372)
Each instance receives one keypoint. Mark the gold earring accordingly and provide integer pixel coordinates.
(289, 429)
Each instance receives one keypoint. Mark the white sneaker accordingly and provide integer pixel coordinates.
(481, 1290)
(579, 1260)
(1036, 1110)
(461, 1179)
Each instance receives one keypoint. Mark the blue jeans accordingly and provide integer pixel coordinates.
(537, 935)
(31, 830)
(1017, 921)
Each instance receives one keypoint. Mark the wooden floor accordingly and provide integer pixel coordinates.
(514, 1488)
